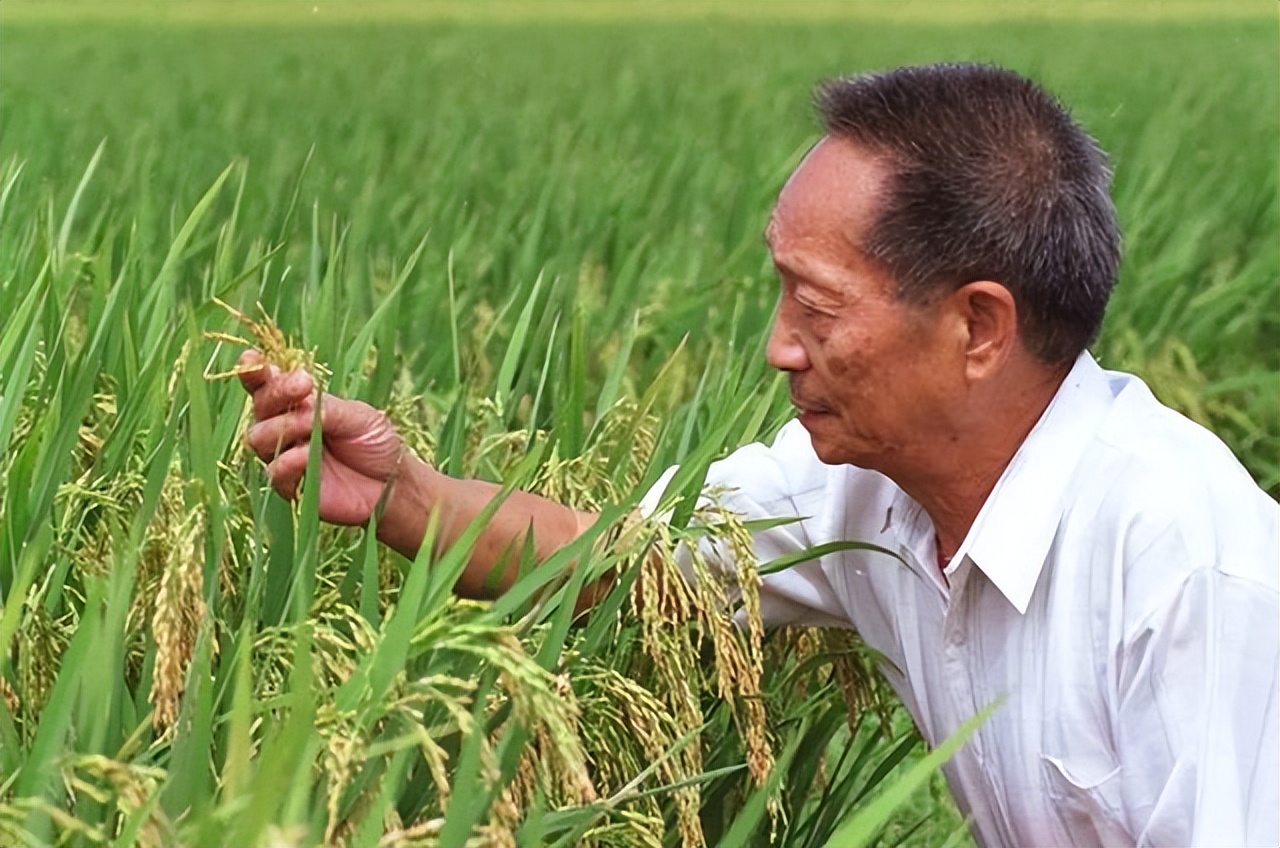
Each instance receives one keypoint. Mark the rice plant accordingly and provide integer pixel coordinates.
(544, 263)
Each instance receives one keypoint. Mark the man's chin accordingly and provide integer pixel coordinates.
(818, 425)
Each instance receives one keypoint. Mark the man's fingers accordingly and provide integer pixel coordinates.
(253, 370)
(273, 391)
(274, 436)
(286, 470)
(281, 393)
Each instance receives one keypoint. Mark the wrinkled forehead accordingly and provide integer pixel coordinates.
(832, 196)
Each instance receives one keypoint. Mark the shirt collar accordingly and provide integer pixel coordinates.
(1010, 539)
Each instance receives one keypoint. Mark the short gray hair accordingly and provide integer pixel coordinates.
(991, 179)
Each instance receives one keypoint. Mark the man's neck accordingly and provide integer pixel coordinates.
(955, 480)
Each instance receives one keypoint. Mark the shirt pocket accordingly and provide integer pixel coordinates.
(1083, 795)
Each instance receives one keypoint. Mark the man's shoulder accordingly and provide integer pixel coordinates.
(1150, 475)
(1169, 462)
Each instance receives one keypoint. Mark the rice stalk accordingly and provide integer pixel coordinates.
(179, 611)
(345, 748)
(413, 418)
(738, 662)
(853, 665)
(11, 700)
(662, 596)
(276, 348)
(625, 727)
(15, 814)
(128, 788)
(40, 646)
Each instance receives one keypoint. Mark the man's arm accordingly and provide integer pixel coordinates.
(365, 465)
(1198, 722)
(419, 489)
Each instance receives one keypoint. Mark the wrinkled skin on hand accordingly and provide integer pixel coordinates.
(362, 450)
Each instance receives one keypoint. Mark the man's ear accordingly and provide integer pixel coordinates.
(990, 316)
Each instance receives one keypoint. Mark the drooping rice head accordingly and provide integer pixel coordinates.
(276, 348)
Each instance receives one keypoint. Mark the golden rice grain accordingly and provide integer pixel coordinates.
(179, 612)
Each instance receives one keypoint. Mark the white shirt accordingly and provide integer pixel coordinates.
(1118, 589)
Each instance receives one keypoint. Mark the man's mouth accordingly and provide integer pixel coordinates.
(807, 409)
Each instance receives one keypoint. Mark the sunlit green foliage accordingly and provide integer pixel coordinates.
(538, 245)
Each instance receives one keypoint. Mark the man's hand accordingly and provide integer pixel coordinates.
(362, 450)
(364, 457)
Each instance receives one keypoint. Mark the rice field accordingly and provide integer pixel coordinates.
(532, 233)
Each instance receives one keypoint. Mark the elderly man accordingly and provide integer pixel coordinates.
(1105, 566)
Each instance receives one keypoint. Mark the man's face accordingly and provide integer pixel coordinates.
(874, 378)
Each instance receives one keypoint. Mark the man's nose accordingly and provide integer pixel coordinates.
(785, 351)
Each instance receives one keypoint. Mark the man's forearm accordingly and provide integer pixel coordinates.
(419, 489)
